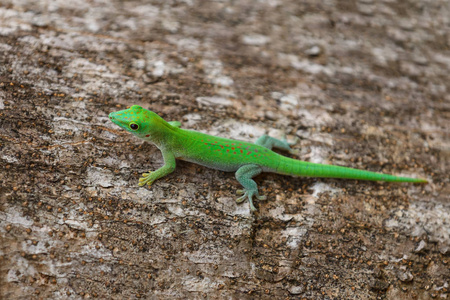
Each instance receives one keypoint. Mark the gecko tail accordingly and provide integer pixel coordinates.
(301, 168)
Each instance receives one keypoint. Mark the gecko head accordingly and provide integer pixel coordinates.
(137, 120)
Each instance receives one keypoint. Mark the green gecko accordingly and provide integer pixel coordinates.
(244, 158)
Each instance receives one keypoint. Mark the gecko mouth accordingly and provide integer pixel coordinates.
(112, 117)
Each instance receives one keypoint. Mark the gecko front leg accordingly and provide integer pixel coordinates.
(167, 168)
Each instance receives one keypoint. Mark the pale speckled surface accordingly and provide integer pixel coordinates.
(362, 83)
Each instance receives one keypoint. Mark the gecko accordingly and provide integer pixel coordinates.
(229, 155)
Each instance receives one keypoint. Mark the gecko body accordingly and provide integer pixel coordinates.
(244, 158)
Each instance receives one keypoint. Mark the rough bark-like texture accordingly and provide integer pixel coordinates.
(364, 84)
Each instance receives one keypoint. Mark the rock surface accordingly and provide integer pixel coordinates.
(364, 84)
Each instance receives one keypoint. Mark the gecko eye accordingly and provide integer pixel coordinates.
(134, 126)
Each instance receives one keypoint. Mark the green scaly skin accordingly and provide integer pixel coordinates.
(244, 158)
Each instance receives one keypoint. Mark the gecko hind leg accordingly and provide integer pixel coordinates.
(244, 175)
(270, 142)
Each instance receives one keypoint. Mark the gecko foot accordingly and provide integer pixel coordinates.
(295, 141)
(248, 194)
(282, 144)
(146, 178)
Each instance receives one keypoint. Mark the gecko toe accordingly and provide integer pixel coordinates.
(261, 197)
(294, 152)
(241, 199)
(295, 141)
(248, 195)
(250, 202)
